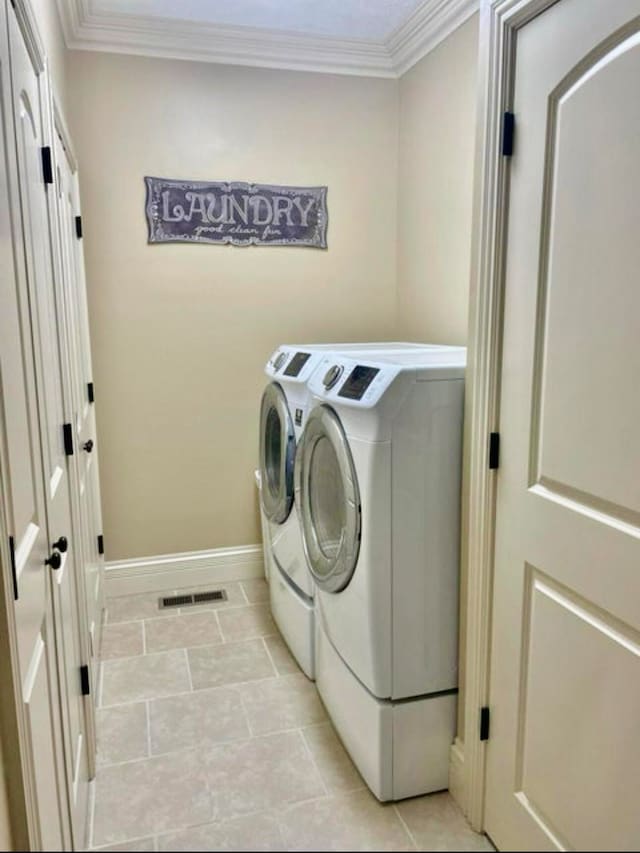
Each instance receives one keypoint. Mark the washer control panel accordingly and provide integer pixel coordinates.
(290, 363)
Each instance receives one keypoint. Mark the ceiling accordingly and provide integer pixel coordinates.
(369, 37)
(350, 19)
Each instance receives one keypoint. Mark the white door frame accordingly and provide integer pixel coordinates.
(18, 760)
(499, 22)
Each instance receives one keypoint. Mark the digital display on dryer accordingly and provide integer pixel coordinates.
(297, 363)
(358, 381)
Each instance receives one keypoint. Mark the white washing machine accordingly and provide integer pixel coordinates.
(283, 414)
(378, 475)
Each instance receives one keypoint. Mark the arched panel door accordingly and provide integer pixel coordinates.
(277, 454)
(328, 501)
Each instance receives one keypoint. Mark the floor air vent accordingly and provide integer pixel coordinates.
(195, 598)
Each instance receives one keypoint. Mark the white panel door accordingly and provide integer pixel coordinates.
(563, 767)
(30, 117)
(87, 474)
(23, 505)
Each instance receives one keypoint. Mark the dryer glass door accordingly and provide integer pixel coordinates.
(277, 454)
(328, 500)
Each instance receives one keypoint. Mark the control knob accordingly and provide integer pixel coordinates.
(332, 375)
(279, 360)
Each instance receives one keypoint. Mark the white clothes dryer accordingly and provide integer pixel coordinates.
(283, 413)
(378, 490)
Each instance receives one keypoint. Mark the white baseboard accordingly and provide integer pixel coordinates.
(174, 571)
(457, 787)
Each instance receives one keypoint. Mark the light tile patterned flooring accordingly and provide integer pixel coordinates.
(210, 738)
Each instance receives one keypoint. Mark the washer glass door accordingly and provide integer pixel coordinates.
(277, 454)
(328, 500)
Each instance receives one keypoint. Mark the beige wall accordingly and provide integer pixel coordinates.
(180, 333)
(435, 157)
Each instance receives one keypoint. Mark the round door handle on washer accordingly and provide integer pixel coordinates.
(88, 445)
(61, 545)
(55, 560)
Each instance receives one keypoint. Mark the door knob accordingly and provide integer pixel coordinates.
(62, 544)
(55, 560)
(88, 445)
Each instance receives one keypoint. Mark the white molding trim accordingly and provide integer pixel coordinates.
(147, 35)
(29, 27)
(62, 129)
(427, 27)
(191, 568)
(499, 22)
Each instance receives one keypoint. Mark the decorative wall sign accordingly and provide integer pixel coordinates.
(236, 212)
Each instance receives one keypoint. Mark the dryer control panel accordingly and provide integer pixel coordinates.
(352, 382)
(358, 381)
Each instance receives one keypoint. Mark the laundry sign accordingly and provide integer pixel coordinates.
(236, 212)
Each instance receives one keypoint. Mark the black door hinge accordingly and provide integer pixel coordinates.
(494, 450)
(79, 227)
(484, 723)
(67, 435)
(14, 573)
(101, 544)
(508, 128)
(47, 164)
(91, 392)
(84, 680)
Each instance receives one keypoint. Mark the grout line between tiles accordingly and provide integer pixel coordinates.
(148, 713)
(231, 684)
(405, 826)
(246, 716)
(270, 656)
(244, 592)
(137, 838)
(211, 747)
(215, 613)
(100, 683)
(314, 762)
(186, 658)
(92, 811)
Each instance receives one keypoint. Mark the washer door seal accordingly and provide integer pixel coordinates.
(328, 500)
(277, 454)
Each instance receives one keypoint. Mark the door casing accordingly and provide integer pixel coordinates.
(500, 21)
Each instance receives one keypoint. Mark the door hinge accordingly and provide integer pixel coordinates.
(79, 227)
(84, 680)
(14, 573)
(485, 715)
(67, 434)
(91, 392)
(508, 128)
(47, 164)
(101, 544)
(494, 450)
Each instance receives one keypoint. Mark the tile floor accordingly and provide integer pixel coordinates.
(210, 738)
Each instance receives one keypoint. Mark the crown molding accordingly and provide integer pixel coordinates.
(423, 31)
(143, 35)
